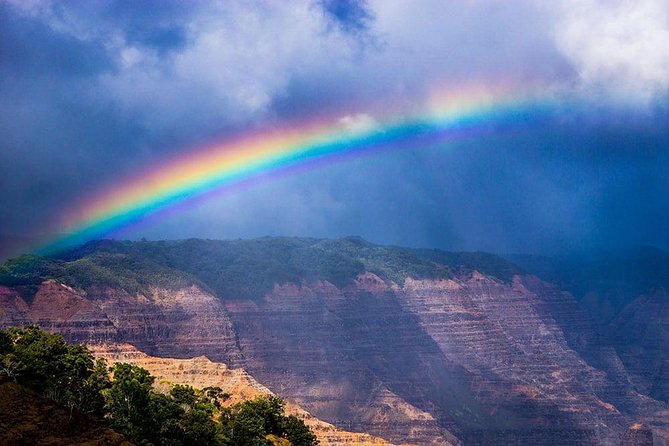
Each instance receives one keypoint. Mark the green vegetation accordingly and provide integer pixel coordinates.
(132, 272)
(67, 374)
(240, 269)
(250, 422)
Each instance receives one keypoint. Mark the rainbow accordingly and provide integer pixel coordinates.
(236, 162)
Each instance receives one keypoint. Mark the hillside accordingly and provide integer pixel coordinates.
(28, 419)
(410, 345)
(66, 379)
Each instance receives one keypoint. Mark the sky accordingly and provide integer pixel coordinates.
(95, 92)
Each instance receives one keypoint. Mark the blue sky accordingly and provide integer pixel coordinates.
(95, 91)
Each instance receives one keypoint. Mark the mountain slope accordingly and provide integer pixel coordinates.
(27, 418)
(641, 335)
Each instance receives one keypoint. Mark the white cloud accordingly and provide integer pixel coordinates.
(241, 58)
(358, 123)
(238, 59)
(619, 47)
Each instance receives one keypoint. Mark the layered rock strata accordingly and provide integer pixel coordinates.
(470, 359)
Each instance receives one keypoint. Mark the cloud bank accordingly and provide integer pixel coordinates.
(619, 47)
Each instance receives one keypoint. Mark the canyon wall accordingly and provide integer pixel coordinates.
(407, 350)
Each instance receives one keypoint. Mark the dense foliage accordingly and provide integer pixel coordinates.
(462, 262)
(128, 402)
(133, 272)
(239, 269)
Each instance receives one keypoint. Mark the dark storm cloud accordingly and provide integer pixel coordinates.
(30, 48)
(93, 92)
(42, 72)
(350, 15)
(154, 24)
(58, 137)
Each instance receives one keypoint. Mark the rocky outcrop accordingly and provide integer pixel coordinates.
(510, 350)
(354, 358)
(13, 309)
(200, 372)
(57, 307)
(519, 356)
(539, 346)
(174, 323)
(169, 323)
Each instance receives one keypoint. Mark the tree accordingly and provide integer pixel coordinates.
(96, 383)
(127, 401)
(215, 395)
(251, 423)
(163, 421)
(195, 420)
(297, 432)
(8, 363)
(36, 359)
(198, 428)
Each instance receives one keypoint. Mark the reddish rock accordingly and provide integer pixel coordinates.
(13, 309)
(430, 362)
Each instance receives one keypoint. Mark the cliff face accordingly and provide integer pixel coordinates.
(351, 356)
(638, 434)
(485, 359)
(374, 340)
(303, 360)
(174, 323)
(521, 344)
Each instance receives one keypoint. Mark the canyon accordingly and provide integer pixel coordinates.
(408, 346)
